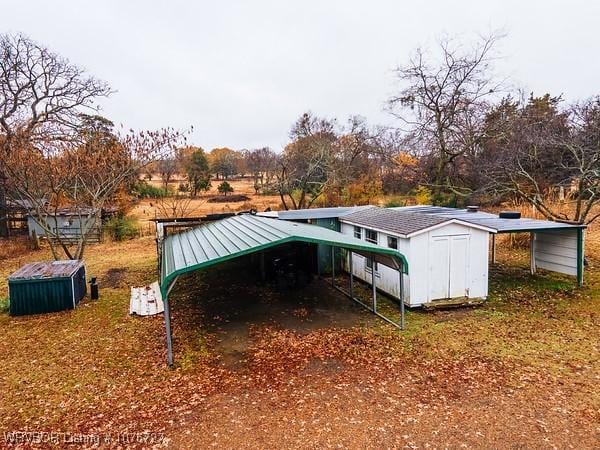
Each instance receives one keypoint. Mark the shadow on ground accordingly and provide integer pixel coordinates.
(223, 307)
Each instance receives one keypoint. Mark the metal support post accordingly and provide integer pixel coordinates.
(167, 315)
(350, 266)
(532, 267)
(333, 266)
(401, 284)
(374, 284)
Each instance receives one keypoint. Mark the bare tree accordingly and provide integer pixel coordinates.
(82, 176)
(306, 162)
(41, 98)
(176, 206)
(444, 103)
(168, 166)
(262, 163)
(547, 157)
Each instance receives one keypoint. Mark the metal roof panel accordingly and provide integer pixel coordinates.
(235, 236)
(314, 213)
(47, 270)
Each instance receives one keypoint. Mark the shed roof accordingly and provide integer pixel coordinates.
(487, 219)
(229, 238)
(47, 270)
(393, 221)
(405, 224)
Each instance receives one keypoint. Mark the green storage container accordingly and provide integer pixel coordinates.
(44, 287)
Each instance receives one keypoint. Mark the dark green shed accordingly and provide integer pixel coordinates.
(43, 287)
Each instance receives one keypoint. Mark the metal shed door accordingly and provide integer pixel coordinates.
(448, 266)
(439, 267)
(459, 266)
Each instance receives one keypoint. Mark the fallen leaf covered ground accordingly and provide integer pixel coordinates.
(256, 367)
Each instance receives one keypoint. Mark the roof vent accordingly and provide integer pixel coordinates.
(472, 208)
(509, 215)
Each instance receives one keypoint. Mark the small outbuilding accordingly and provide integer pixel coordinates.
(67, 223)
(43, 287)
(448, 256)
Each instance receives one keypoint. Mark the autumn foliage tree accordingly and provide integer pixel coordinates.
(56, 155)
(324, 161)
(83, 175)
(224, 162)
(42, 96)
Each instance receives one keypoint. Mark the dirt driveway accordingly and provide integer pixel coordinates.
(311, 369)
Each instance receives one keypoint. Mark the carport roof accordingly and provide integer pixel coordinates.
(314, 213)
(229, 238)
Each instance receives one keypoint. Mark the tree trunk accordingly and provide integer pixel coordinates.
(3, 208)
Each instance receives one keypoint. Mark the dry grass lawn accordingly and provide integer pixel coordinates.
(257, 368)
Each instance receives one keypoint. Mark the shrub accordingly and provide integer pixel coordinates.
(447, 199)
(395, 202)
(122, 228)
(423, 195)
(4, 304)
(146, 190)
(269, 189)
(225, 188)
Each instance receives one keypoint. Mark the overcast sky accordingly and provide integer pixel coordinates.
(241, 72)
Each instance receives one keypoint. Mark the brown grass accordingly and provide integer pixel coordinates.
(521, 371)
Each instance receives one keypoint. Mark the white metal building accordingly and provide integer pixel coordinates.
(554, 246)
(447, 248)
(448, 257)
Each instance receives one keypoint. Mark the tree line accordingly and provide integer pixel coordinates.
(462, 136)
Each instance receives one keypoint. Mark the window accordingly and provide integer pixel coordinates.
(393, 242)
(371, 236)
(358, 232)
(369, 265)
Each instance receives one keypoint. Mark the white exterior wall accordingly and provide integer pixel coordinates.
(69, 224)
(556, 251)
(417, 252)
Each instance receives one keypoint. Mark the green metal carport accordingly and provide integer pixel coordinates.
(230, 238)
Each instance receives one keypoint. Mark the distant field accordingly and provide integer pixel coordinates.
(147, 208)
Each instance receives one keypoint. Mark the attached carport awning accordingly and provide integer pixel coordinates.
(230, 238)
(236, 236)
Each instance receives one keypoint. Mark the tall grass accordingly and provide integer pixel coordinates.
(4, 304)
(122, 228)
(145, 190)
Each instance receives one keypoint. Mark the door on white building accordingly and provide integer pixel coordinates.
(448, 267)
